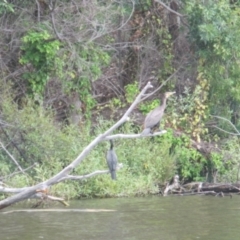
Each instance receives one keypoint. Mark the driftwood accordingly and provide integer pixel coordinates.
(201, 188)
(216, 187)
(59, 210)
(174, 186)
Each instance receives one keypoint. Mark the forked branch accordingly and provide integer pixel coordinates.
(43, 186)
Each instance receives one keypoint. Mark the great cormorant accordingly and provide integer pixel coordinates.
(112, 161)
(154, 117)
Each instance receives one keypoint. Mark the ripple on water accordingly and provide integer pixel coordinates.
(170, 218)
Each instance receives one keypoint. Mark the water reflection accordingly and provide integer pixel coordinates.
(170, 218)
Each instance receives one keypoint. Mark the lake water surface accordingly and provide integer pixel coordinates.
(149, 218)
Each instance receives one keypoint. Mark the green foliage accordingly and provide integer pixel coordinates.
(190, 110)
(4, 166)
(114, 104)
(164, 44)
(189, 163)
(131, 90)
(148, 106)
(216, 37)
(209, 22)
(20, 181)
(84, 69)
(6, 7)
(227, 163)
(217, 163)
(40, 50)
(143, 5)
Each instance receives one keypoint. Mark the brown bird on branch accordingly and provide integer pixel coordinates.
(152, 120)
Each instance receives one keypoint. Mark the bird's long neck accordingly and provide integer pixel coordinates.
(164, 101)
(111, 144)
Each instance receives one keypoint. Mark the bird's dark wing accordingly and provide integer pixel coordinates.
(112, 160)
(112, 163)
(153, 118)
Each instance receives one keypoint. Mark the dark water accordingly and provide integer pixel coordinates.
(170, 218)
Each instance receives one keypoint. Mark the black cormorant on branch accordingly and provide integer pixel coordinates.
(112, 161)
(154, 117)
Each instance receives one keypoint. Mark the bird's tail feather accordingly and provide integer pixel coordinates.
(146, 131)
(113, 175)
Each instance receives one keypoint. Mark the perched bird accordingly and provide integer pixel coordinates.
(154, 117)
(112, 161)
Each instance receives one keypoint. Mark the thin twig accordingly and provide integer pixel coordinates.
(119, 28)
(168, 8)
(135, 135)
(233, 126)
(61, 200)
(72, 177)
(52, 8)
(230, 133)
(2, 123)
(11, 156)
(12, 142)
(98, 172)
(38, 10)
(156, 90)
(15, 173)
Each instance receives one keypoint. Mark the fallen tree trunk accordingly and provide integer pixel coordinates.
(194, 188)
(216, 187)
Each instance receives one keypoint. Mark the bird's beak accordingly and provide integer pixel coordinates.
(171, 93)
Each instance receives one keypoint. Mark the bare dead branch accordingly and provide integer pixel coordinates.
(135, 135)
(72, 177)
(38, 194)
(157, 89)
(61, 200)
(38, 10)
(232, 125)
(168, 8)
(95, 173)
(171, 187)
(17, 172)
(11, 190)
(101, 34)
(3, 123)
(52, 8)
(11, 156)
(222, 130)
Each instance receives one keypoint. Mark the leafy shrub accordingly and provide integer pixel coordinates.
(227, 163)
(40, 50)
